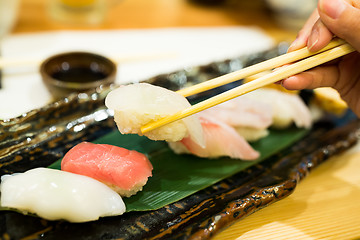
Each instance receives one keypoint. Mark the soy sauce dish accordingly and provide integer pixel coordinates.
(70, 72)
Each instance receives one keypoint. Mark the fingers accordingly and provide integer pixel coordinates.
(319, 37)
(342, 18)
(315, 35)
(303, 35)
(337, 17)
(324, 76)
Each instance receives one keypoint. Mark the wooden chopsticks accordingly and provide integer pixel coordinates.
(333, 50)
(254, 69)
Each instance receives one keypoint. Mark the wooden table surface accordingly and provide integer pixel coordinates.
(127, 14)
(326, 204)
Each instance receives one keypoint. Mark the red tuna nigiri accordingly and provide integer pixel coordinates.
(125, 171)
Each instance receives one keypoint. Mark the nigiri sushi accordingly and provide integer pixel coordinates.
(137, 104)
(125, 171)
(287, 108)
(55, 195)
(243, 112)
(250, 117)
(220, 140)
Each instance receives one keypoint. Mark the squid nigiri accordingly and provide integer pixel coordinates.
(55, 195)
(135, 105)
(220, 140)
(125, 171)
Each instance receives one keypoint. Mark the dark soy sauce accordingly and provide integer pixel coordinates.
(79, 74)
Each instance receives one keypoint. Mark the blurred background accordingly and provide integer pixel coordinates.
(144, 38)
(281, 18)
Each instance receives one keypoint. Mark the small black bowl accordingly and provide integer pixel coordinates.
(70, 72)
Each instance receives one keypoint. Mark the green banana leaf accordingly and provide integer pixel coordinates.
(178, 176)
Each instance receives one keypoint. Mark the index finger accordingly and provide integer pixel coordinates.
(303, 35)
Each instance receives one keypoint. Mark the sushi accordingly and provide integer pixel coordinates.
(287, 108)
(137, 104)
(125, 171)
(250, 117)
(243, 112)
(223, 130)
(220, 140)
(55, 195)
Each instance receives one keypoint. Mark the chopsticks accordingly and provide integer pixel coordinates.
(333, 50)
(254, 69)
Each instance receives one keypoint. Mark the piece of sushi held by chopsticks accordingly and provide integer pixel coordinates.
(135, 105)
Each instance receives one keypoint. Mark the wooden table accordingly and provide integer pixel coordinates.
(127, 14)
(325, 205)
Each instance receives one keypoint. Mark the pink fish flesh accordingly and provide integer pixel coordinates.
(220, 140)
(124, 170)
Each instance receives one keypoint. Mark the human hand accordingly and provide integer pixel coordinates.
(342, 19)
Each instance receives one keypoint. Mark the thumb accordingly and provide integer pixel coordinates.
(342, 18)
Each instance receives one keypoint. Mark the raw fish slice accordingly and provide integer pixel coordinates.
(220, 140)
(243, 112)
(123, 170)
(252, 134)
(135, 105)
(249, 117)
(287, 108)
(54, 195)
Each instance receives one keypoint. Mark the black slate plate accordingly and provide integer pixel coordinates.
(42, 136)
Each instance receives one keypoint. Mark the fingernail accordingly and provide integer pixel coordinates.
(281, 82)
(333, 8)
(294, 43)
(313, 39)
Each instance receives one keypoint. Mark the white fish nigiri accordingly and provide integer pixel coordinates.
(54, 195)
(137, 104)
(250, 117)
(287, 108)
(243, 112)
(220, 140)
